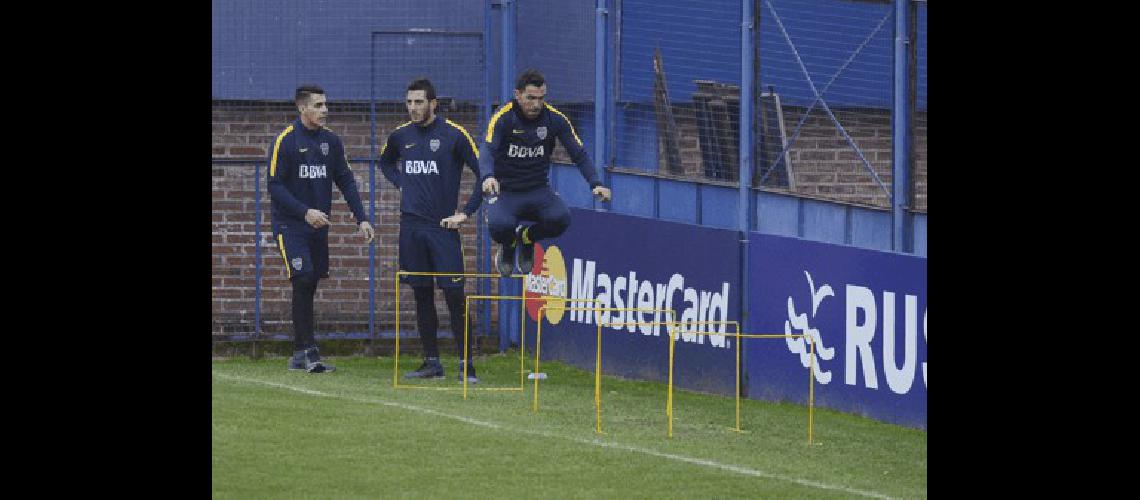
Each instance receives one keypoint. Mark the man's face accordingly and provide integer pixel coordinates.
(531, 100)
(315, 111)
(420, 110)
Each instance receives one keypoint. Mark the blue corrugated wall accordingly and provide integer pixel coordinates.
(262, 48)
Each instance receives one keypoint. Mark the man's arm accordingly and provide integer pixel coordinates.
(281, 166)
(574, 147)
(389, 155)
(490, 144)
(470, 156)
(492, 141)
(346, 183)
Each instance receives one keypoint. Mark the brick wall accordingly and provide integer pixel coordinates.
(823, 163)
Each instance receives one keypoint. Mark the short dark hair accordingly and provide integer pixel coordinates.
(305, 90)
(425, 85)
(529, 77)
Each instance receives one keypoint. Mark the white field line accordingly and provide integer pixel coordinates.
(624, 447)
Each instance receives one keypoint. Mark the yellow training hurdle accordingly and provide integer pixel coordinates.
(522, 337)
(739, 336)
(672, 332)
(396, 362)
(598, 356)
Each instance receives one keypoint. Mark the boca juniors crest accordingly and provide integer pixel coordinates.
(325, 148)
(434, 144)
(541, 132)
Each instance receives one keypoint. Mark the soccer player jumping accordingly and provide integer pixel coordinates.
(516, 167)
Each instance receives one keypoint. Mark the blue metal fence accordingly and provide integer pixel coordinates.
(261, 219)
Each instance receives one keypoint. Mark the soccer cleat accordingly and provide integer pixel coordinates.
(313, 362)
(526, 249)
(430, 369)
(471, 378)
(505, 259)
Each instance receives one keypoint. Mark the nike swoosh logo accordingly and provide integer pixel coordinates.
(406, 146)
(304, 149)
(453, 280)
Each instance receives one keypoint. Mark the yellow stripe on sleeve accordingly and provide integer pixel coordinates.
(468, 136)
(495, 119)
(548, 106)
(276, 148)
(281, 245)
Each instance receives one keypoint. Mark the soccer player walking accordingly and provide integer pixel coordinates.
(304, 162)
(424, 158)
(516, 167)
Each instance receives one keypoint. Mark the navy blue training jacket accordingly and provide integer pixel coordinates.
(303, 165)
(426, 163)
(516, 151)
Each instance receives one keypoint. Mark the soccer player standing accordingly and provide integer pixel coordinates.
(424, 158)
(516, 167)
(304, 162)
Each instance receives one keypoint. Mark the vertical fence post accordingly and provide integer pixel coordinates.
(371, 351)
(747, 106)
(900, 126)
(507, 314)
(601, 95)
(256, 256)
(482, 246)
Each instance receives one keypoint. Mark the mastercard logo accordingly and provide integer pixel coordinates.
(546, 282)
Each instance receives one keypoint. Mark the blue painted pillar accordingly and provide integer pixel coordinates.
(257, 250)
(482, 241)
(747, 72)
(372, 191)
(508, 309)
(747, 69)
(507, 82)
(900, 126)
(372, 252)
(601, 94)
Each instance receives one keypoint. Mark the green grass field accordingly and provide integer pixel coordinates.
(350, 434)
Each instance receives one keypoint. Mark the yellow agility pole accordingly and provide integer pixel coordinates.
(522, 337)
(396, 360)
(811, 372)
(811, 386)
(698, 323)
(598, 356)
(672, 340)
(538, 342)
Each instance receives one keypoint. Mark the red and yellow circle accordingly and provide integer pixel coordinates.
(547, 282)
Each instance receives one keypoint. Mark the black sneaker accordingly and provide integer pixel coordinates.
(430, 369)
(505, 259)
(471, 378)
(313, 362)
(526, 251)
